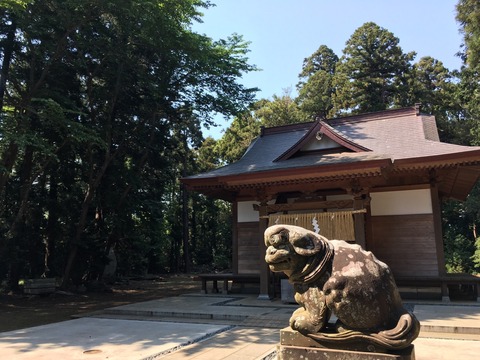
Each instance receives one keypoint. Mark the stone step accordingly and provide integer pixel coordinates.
(449, 329)
(174, 314)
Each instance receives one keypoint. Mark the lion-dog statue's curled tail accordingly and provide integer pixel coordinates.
(333, 276)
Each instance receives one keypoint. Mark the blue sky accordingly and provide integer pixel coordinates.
(284, 32)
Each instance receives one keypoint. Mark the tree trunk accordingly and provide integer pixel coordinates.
(12, 234)
(78, 238)
(113, 237)
(94, 181)
(7, 58)
(52, 222)
(8, 160)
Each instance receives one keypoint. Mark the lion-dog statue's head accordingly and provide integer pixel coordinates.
(300, 255)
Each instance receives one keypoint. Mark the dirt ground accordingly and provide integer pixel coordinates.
(18, 311)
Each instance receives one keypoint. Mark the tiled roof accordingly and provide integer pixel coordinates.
(398, 135)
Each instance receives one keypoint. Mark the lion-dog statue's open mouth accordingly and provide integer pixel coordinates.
(333, 276)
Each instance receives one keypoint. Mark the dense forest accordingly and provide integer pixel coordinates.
(102, 109)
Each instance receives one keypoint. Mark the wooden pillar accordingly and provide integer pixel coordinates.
(235, 237)
(437, 226)
(358, 192)
(359, 221)
(266, 291)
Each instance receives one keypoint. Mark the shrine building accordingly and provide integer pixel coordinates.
(376, 179)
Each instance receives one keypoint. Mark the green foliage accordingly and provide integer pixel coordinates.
(373, 72)
(282, 110)
(104, 101)
(211, 234)
(324, 59)
(458, 234)
(468, 16)
(206, 157)
(457, 255)
(233, 144)
(476, 256)
(468, 94)
(315, 88)
(432, 84)
(16, 4)
(315, 96)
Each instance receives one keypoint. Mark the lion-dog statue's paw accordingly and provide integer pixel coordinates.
(302, 321)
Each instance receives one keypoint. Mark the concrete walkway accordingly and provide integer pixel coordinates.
(210, 327)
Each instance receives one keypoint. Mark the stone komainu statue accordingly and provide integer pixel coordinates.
(333, 276)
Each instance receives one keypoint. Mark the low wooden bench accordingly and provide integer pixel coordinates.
(226, 277)
(39, 286)
(442, 282)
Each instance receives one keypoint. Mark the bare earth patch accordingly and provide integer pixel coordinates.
(22, 311)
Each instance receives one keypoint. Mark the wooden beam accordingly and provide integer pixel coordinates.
(308, 205)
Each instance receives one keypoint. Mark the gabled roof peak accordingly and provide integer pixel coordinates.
(285, 128)
(320, 129)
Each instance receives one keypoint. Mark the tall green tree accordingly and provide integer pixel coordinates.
(315, 86)
(437, 89)
(373, 73)
(432, 84)
(467, 17)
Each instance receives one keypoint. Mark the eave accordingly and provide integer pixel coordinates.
(456, 175)
(437, 161)
(364, 168)
(289, 176)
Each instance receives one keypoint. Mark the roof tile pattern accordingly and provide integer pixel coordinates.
(398, 137)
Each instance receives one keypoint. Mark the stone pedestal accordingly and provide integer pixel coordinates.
(294, 345)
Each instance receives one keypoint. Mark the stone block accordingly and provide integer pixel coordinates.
(311, 353)
(294, 345)
(39, 286)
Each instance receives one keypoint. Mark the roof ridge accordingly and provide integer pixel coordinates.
(383, 114)
(371, 116)
(285, 128)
